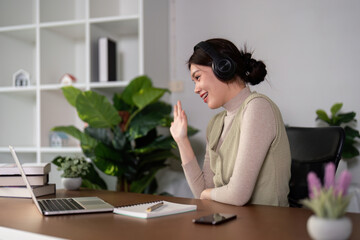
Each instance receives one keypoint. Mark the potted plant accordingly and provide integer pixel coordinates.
(343, 120)
(329, 203)
(73, 169)
(122, 138)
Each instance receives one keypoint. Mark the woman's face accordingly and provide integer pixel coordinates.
(213, 92)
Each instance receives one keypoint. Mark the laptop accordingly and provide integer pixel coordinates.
(61, 206)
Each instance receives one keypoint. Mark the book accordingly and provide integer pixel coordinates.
(23, 192)
(140, 210)
(29, 168)
(17, 180)
(107, 59)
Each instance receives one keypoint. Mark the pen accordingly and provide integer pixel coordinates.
(153, 207)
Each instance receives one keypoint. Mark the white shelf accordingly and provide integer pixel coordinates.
(49, 38)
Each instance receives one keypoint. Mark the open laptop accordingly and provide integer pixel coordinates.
(60, 206)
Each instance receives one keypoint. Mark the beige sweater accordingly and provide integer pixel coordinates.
(259, 171)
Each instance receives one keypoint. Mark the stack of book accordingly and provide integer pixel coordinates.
(12, 184)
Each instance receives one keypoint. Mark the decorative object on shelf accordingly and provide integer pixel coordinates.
(21, 78)
(107, 59)
(67, 79)
(122, 139)
(340, 119)
(329, 204)
(74, 168)
(58, 139)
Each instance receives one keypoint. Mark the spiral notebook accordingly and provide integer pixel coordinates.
(140, 210)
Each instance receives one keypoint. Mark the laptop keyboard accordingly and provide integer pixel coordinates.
(59, 204)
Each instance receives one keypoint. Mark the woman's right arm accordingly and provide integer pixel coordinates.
(197, 179)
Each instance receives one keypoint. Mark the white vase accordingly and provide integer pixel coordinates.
(329, 229)
(71, 183)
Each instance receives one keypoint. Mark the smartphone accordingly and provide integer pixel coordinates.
(215, 219)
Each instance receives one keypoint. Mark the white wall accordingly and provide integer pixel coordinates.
(311, 49)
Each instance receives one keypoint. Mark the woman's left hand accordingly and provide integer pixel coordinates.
(206, 194)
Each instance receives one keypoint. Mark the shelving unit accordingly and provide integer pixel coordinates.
(48, 38)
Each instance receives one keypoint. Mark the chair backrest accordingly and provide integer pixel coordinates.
(311, 149)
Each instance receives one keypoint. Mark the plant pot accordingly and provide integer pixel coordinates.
(329, 229)
(71, 183)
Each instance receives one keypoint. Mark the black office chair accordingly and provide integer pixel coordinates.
(311, 149)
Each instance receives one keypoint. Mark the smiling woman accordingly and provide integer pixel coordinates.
(247, 156)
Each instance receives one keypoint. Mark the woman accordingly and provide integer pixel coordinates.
(247, 156)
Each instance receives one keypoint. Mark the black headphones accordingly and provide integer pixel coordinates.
(223, 67)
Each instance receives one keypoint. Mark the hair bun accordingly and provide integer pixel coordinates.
(256, 72)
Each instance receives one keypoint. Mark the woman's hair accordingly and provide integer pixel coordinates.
(248, 69)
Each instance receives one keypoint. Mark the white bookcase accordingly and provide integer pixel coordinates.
(49, 38)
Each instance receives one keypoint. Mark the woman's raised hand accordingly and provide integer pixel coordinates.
(178, 127)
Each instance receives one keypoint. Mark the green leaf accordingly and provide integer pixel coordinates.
(85, 139)
(335, 108)
(322, 115)
(120, 141)
(158, 143)
(135, 86)
(71, 93)
(349, 131)
(120, 104)
(346, 117)
(103, 135)
(109, 154)
(147, 96)
(139, 185)
(148, 119)
(93, 180)
(97, 110)
(350, 151)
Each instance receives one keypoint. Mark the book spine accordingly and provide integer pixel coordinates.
(16, 180)
(23, 192)
(107, 60)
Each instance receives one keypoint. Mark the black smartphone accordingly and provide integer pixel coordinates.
(215, 219)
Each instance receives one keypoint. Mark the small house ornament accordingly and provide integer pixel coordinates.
(67, 79)
(21, 78)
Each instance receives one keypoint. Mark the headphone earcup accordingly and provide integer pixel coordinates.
(224, 68)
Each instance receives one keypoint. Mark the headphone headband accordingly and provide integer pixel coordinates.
(223, 67)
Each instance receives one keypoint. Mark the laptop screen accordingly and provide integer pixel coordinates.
(24, 177)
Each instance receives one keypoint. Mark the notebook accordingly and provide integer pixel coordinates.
(60, 206)
(140, 210)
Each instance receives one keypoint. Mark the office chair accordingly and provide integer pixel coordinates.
(311, 149)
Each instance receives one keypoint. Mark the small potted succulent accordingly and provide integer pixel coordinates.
(329, 203)
(73, 169)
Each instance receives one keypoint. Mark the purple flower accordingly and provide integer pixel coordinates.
(329, 178)
(314, 184)
(343, 183)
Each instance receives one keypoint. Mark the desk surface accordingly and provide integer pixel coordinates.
(253, 222)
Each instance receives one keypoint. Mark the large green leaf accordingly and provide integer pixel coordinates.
(120, 104)
(93, 180)
(147, 96)
(322, 115)
(103, 135)
(346, 117)
(158, 143)
(120, 140)
(154, 158)
(135, 86)
(76, 133)
(139, 185)
(104, 152)
(335, 108)
(71, 93)
(96, 110)
(353, 133)
(146, 120)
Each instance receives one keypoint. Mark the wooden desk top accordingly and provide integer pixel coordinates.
(253, 222)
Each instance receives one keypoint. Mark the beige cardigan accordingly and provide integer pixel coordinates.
(248, 155)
